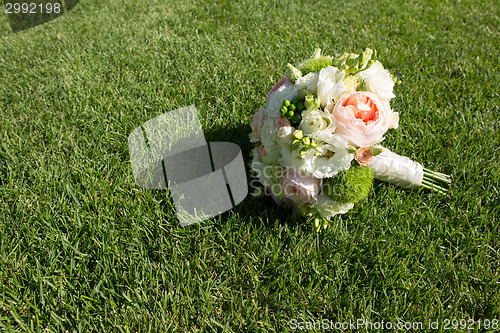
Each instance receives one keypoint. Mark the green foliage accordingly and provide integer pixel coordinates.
(315, 64)
(351, 185)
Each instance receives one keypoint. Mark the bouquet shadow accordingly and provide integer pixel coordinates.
(257, 212)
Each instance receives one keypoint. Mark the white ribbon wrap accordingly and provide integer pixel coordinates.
(398, 170)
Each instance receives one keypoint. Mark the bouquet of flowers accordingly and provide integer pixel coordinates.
(318, 138)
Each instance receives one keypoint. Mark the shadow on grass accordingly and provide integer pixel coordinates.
(261, 212)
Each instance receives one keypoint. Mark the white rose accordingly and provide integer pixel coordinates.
(377, 79)
(330, 85)
(268, 136)
(334, 157)
(317, 124)
(309, 82)
(285, 131)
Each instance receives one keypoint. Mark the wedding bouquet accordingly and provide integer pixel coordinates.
(318, 138)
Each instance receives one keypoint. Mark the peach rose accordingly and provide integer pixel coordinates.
(363, 118)
(300, 189)
(363, 156)
(257, 123)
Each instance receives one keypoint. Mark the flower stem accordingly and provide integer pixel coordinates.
(436, 181)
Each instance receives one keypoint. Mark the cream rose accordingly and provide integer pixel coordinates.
(377, 80)
(317, 124)
(309, 82)
(300, 189)
(330, 85)
(363, 118)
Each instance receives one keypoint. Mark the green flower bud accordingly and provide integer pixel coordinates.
(295, 144)
(314, 144)
(297, 118)
(365, 57)
(350, 60)
(303, 151)
(317, 153)
(361, 60)
(286, 103)
(375, 150)
(298, 134)
(351, 150)
(290, 113)
(284, 109)
(306, 141)
(355, 183)
(293, 73)
(311, 102)
(317, 53)
(291, 107)
(337, 62)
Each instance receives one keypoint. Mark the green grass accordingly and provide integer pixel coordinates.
(83, 248)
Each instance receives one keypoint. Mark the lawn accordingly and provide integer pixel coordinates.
(83, 248)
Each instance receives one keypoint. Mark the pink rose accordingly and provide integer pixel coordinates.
(300, 189)
(281, 122)
(262, 152)
(257, 123)
(363, 156)
(283, 82)
(363, 118)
